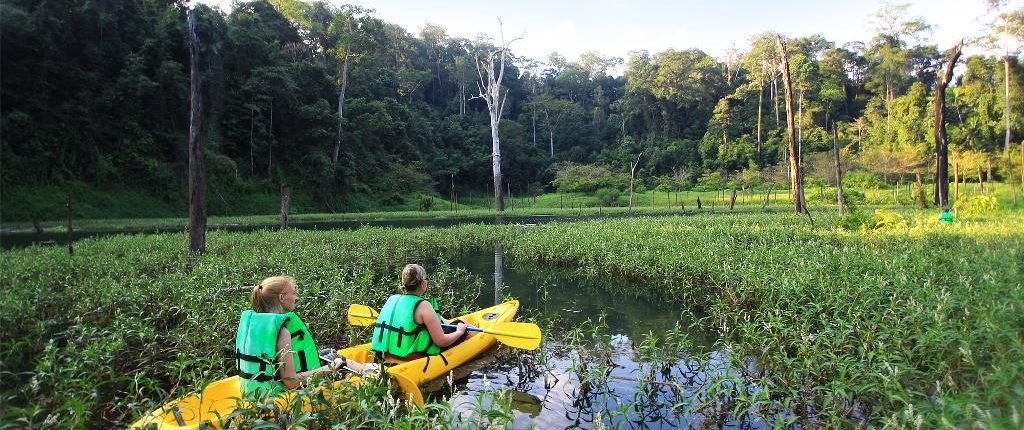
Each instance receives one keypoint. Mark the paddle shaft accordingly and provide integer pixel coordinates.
(448, 328)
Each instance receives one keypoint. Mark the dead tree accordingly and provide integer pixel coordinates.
(489, 86)
(839, 171)
(632, 175)
(795, 175)
(941, 146)
(196, 151)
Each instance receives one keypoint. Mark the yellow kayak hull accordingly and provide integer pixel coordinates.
(217, 401)
(411, 374)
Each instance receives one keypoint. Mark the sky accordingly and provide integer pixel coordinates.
(615, 27)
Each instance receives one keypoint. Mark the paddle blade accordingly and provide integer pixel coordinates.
(517, 334)
(361, 315)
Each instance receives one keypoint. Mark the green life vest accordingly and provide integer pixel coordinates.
(396, 331)
(256, 348)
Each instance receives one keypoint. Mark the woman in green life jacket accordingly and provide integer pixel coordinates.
(409, 325)
(274, 348)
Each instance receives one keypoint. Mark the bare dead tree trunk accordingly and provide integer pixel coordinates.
(632, 175)
(732, 199)
(839, 171)
(1006, 72)
(760, 102)
(796, 179)
(800, 126)
(341, 108)
(285, 198)
(196, 151)
(941, 146)
(551, 132)
(489, 87)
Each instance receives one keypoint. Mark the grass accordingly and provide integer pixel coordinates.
(906, 324)
(477, 206)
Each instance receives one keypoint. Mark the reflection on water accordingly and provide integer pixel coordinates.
(607, 374)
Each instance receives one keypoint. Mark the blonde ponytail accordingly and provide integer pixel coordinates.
(266, 294)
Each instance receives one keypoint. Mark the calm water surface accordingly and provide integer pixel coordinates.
(545, 386)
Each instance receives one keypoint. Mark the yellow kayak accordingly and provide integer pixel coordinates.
(216, 401)
(411, 374)
(220, 398)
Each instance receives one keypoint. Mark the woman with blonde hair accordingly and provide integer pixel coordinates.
(409, 325)
(274, 348)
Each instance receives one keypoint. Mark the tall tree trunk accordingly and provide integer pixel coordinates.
(499, 197)
(341, 108)
(800, 126)
(285, 201)
(1006, 73)
(196, 151)
(632, 176)
(775, 99)
(760, 102)
(796, 179)
(490, 90)
(941, 146)
(839, 171)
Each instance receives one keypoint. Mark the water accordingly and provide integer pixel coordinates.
(545, 384)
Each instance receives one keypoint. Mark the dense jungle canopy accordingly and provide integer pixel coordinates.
(95, 101)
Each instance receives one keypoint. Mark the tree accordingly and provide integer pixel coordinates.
(941, 147)
(795, 176)
(490, 69)
(762, 61)
(196, 152)
(632, 176)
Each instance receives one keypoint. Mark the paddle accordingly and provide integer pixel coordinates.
(515, 334)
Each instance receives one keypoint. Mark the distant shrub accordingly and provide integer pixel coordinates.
(862, 180)
(608, 196)
(572, 177)
(856, 220)
(975, 205)
(886, 220)
(710, 181)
